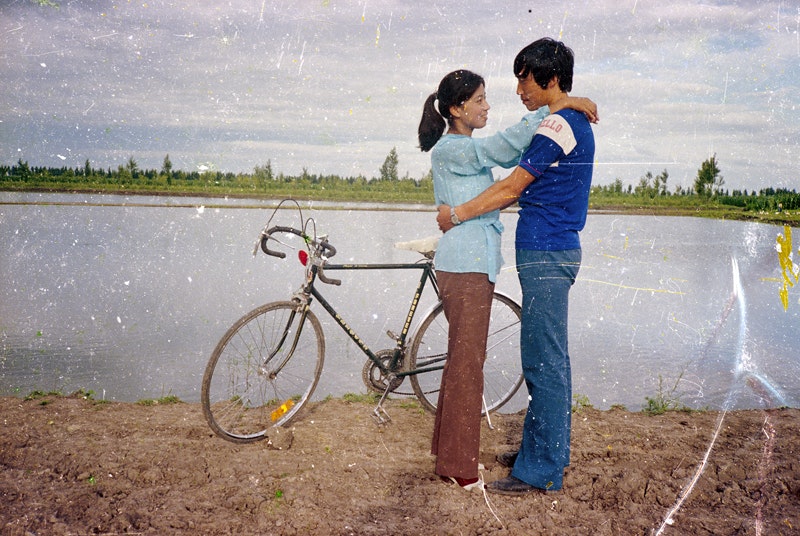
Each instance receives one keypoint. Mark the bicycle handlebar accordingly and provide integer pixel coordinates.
(322, 249)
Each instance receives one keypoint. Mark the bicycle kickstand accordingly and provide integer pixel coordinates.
(379, 414)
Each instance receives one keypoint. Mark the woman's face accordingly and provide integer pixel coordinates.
(475, 111)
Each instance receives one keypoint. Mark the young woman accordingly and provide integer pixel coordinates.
(468, 257)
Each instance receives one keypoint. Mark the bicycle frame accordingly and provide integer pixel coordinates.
(428, 274)
(245, 390)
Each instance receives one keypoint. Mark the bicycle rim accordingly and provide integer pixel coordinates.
(257, 377)
(502, 370)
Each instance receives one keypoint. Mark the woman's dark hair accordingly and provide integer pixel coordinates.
(454, 89)
(545, 59)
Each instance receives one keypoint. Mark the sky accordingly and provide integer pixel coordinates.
(331, 86)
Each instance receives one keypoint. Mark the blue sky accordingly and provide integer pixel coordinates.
(332, 86)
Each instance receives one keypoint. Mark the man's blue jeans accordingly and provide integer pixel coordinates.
(546, 278)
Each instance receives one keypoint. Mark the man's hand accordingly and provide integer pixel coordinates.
(580, 104)
(443, 218)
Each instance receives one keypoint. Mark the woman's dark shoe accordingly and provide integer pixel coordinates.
(507, 459)
(510, 486)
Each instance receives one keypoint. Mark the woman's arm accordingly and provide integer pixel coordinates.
(503, 148)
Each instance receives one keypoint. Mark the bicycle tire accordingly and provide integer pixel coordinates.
(502, 370)
(240, 400)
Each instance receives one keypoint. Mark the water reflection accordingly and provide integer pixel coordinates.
(106, 294)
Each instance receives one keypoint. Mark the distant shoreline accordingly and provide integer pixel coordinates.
(629, 207)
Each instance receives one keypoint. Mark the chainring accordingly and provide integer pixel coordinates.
(374, 378)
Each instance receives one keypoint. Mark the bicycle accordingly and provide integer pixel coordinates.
(265, 368)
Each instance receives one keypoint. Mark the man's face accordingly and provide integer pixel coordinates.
(531, 94)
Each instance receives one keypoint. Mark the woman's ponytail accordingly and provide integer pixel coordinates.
(431, 126)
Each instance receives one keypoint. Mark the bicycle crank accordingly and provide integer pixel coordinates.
(375, 379)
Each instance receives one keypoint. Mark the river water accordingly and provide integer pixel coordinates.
(127, 296)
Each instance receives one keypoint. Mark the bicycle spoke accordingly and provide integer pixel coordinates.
(502, 368)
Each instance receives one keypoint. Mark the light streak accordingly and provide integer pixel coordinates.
(764, 468)
(638, 289)
(668, 520)
(302, 58)
(725, 91)
(752, 379)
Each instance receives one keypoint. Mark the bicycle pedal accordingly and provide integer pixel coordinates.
(380, 415)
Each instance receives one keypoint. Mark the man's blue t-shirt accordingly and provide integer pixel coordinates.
(553, 207)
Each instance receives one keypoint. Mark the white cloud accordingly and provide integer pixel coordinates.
(332, 87)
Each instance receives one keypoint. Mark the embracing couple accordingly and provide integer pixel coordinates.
(551, 151)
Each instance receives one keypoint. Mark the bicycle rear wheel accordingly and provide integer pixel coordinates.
(502, 370)
(263, 371)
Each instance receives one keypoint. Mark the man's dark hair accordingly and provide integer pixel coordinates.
(545, 59)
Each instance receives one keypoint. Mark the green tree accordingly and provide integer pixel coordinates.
(644, 188)
(263, 176)
(166, 167)
(389, 167)
(708, 179)
(661, 183)
(426, 182)
(23, 171)
(132, 167)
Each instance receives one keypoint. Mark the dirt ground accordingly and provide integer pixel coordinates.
(76, 466)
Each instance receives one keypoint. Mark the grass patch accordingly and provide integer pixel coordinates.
(412, 403)
(38, 395)
(580, 403)
(164, 400)
(665, 399)
(368, 398)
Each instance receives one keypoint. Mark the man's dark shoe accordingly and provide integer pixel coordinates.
(507, 459)
(511, 486)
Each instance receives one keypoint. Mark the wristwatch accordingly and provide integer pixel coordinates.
(454, 216)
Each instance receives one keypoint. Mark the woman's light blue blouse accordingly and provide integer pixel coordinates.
(462, 169)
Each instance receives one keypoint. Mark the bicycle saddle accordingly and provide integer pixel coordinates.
(425, 246)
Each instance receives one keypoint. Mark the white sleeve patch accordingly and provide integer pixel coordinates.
(557, 129)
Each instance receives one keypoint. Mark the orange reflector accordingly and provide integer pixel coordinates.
(281, 411)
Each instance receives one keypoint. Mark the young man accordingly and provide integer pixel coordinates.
(551, 184)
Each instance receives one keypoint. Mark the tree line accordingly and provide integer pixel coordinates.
(263, 181)
(708, 187)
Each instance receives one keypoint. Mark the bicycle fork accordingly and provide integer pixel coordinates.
(273, 373)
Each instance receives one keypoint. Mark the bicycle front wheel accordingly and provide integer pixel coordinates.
(502, 370)
(262, 371)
